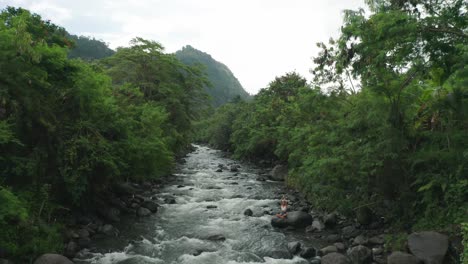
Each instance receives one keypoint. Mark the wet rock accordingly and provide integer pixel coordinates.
(150, 205)
(211, 207)
(248, 212)
(143, 212)
(315, 260)
(327, 250)
(52, 259)
(429, 246)
(216, 238)
(180, 186)
(399, 257)
(360, 240)
(170, 200)
(360, 255)
(219, 170)
(260, 179)
(294, 247)
(330, 220)
(364, 215)
(295, 219)
(349, 231)
(279, 173)
(335, 258)
(71, 249)
(307, 252)
(234, 168)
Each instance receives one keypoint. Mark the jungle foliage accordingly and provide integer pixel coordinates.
(383, 124)
(69, 128)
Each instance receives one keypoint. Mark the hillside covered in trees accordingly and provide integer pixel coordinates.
(396, 144)
(88, 48)
(224, 85)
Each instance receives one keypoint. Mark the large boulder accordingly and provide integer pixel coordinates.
(360, 255)
(52, 259)
(429, 246)
(295, 219)
(335, 258)
(279, 173)
(399, 257)
(150, 205)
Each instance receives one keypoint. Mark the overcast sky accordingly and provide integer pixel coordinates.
(256, 39)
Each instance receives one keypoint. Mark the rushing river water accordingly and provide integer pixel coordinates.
(207, 223)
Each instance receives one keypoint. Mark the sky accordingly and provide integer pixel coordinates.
(257, 39)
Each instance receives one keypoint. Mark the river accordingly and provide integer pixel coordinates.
(206, 224)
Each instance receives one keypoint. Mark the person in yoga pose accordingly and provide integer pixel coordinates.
(284, 208)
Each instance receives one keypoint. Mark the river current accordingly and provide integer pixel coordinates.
(206, 224)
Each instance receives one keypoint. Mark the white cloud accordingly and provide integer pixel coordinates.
(257, 39)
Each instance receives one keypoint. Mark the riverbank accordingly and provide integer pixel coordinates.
(215, 207)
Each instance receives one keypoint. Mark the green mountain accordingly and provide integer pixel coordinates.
(225, 86)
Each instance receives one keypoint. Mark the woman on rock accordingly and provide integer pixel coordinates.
(284, 208)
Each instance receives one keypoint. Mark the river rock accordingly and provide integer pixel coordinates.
(294, 247)
(307, 252)
(108, 230)
(150, 205)
(170, 200)
(297, 219)
(279, 173)
(330, 220)
(349, 231)
(111, 214)
(377, 240)
(360, 240)
(399, 257)
(234, 168)
(340, 246)
(143, 211)
(82, 232)
(219, 170)
(211, 207)
(52, 259)
(360, 255)
(71, 249)
(317, 225)
(335, 258)
(429, 246)
(333, 238)
(216, 238)
(327, 250)
(248, 212)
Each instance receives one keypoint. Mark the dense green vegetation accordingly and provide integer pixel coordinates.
(384, 123)
(70, 129)
(88, 48)
(224, 85)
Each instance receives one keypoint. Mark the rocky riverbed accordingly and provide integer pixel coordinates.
(216, 210)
